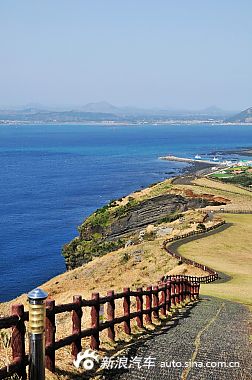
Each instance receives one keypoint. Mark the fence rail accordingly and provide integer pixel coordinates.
(150, 303)
(194, 233)
(224, 211)
(213, 275)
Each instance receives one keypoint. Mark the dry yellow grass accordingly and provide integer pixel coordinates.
(241, 199)
(151, 191)
(230, 252)
(113, 271)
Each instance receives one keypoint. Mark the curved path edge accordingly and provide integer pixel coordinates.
(213, 275)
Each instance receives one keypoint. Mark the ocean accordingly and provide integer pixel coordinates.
(53, 176)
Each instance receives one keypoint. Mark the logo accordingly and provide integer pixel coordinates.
(87, 359)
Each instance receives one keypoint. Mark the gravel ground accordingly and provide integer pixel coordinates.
(214, 330)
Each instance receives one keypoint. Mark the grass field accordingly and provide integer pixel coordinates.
(115, 270)
(230, 252)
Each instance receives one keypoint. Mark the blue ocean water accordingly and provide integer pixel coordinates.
(53, 176)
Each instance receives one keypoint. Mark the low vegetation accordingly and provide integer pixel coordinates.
(229, 252)
(240, 175)
(97, 234)
(171, 217)
(143, 264)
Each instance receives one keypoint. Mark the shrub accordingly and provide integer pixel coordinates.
(125, 258)
(170, 217)
(201, 227)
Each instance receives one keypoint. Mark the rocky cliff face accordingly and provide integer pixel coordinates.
(109, 227)
(151, 211)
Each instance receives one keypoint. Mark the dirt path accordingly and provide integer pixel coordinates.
(209, 342)
(174, 247)
(213, 331)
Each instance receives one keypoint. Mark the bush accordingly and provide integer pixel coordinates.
(170, 217)
(125, 258)
(123, 210)
(201, 227)
(100, 218)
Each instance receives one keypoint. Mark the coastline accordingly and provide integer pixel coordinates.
(185, 176)
(110, 123)
(187, 160)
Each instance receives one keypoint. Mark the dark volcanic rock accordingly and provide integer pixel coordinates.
(152, 210)
(109, 228)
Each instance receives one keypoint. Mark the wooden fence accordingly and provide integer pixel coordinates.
(224, 211)
(170, 292)
(194, 233)
(150, 302)
(213, 275)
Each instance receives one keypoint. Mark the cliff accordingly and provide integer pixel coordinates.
(110, 227)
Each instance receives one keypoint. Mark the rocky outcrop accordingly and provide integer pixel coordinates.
(151, 211)
(111, 226)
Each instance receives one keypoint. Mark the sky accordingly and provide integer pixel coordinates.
(161, 53)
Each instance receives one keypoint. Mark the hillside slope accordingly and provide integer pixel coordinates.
(112, 226)
(242, 117)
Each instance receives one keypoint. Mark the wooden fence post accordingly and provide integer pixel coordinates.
(184, 289)
(168, 295)
(50, 329)
(197, 290)
(163, 298)
(191, 290)
(148, 304)
(155, 301)
(18, 340)
(188, 290)
(194, 290)
(76, 326)
(139, 303)
(126, 308)
(111, 315)
(95, 321)
(179, 290)
(177, 285)
(172, 292)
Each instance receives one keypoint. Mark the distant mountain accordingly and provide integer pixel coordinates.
(104, 111)
(105, 107)
(242, 117)
(213, 110)
(100, 107)
(31, 115)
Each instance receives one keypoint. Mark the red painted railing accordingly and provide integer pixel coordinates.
(150, 302)
(194, 233)
(212, 276)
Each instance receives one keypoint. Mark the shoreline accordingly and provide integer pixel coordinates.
(194, 168)
(109, 123)
(188, 160)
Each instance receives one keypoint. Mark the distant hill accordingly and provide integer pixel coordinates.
(32, 115)
(100, 107)
(104, 112)
(242, 117)
(214, 111)
(105, 107)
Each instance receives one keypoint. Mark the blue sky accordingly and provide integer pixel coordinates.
(176, 54)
